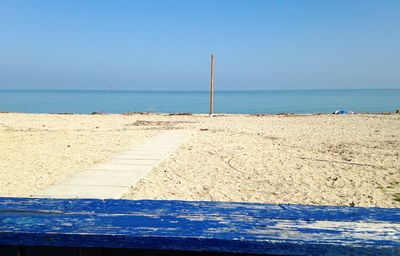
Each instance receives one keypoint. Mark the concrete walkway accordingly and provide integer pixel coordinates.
(113, 179)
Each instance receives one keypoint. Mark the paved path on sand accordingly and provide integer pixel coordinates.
(113, 179)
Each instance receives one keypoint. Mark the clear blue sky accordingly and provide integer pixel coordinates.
(166, 45)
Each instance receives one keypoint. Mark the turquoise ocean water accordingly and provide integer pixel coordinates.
(296, 101)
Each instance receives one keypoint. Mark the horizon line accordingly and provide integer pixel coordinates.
(222, 90)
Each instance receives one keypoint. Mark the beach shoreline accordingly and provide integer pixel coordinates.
(321, 159)
(216, 114)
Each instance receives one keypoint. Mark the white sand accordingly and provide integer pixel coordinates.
(325, 159)
(39, 150)
(321, 159)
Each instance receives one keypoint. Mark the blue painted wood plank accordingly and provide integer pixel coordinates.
(200, 226)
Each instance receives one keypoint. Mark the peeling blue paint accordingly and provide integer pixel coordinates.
(200, 226)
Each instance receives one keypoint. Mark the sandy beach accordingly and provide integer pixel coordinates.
(310, 159)
(39, 150)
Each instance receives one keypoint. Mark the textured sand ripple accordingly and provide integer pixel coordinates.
(316, 159)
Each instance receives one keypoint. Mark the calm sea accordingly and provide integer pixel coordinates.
(299, 101)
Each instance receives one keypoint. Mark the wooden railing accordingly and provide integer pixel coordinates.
(31, 226)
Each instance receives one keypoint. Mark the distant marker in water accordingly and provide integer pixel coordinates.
(212, 87)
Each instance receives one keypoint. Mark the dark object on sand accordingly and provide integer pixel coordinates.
(180, 114)
(97, 113)
(135, 113)
(285, 114)
(398, 111)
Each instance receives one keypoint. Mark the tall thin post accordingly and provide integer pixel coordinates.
(212, 86)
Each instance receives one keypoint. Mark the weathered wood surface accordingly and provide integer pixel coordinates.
(200, 226)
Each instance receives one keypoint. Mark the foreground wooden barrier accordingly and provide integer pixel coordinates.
(121, 227)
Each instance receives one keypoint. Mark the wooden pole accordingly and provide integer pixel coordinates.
(212, 86)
